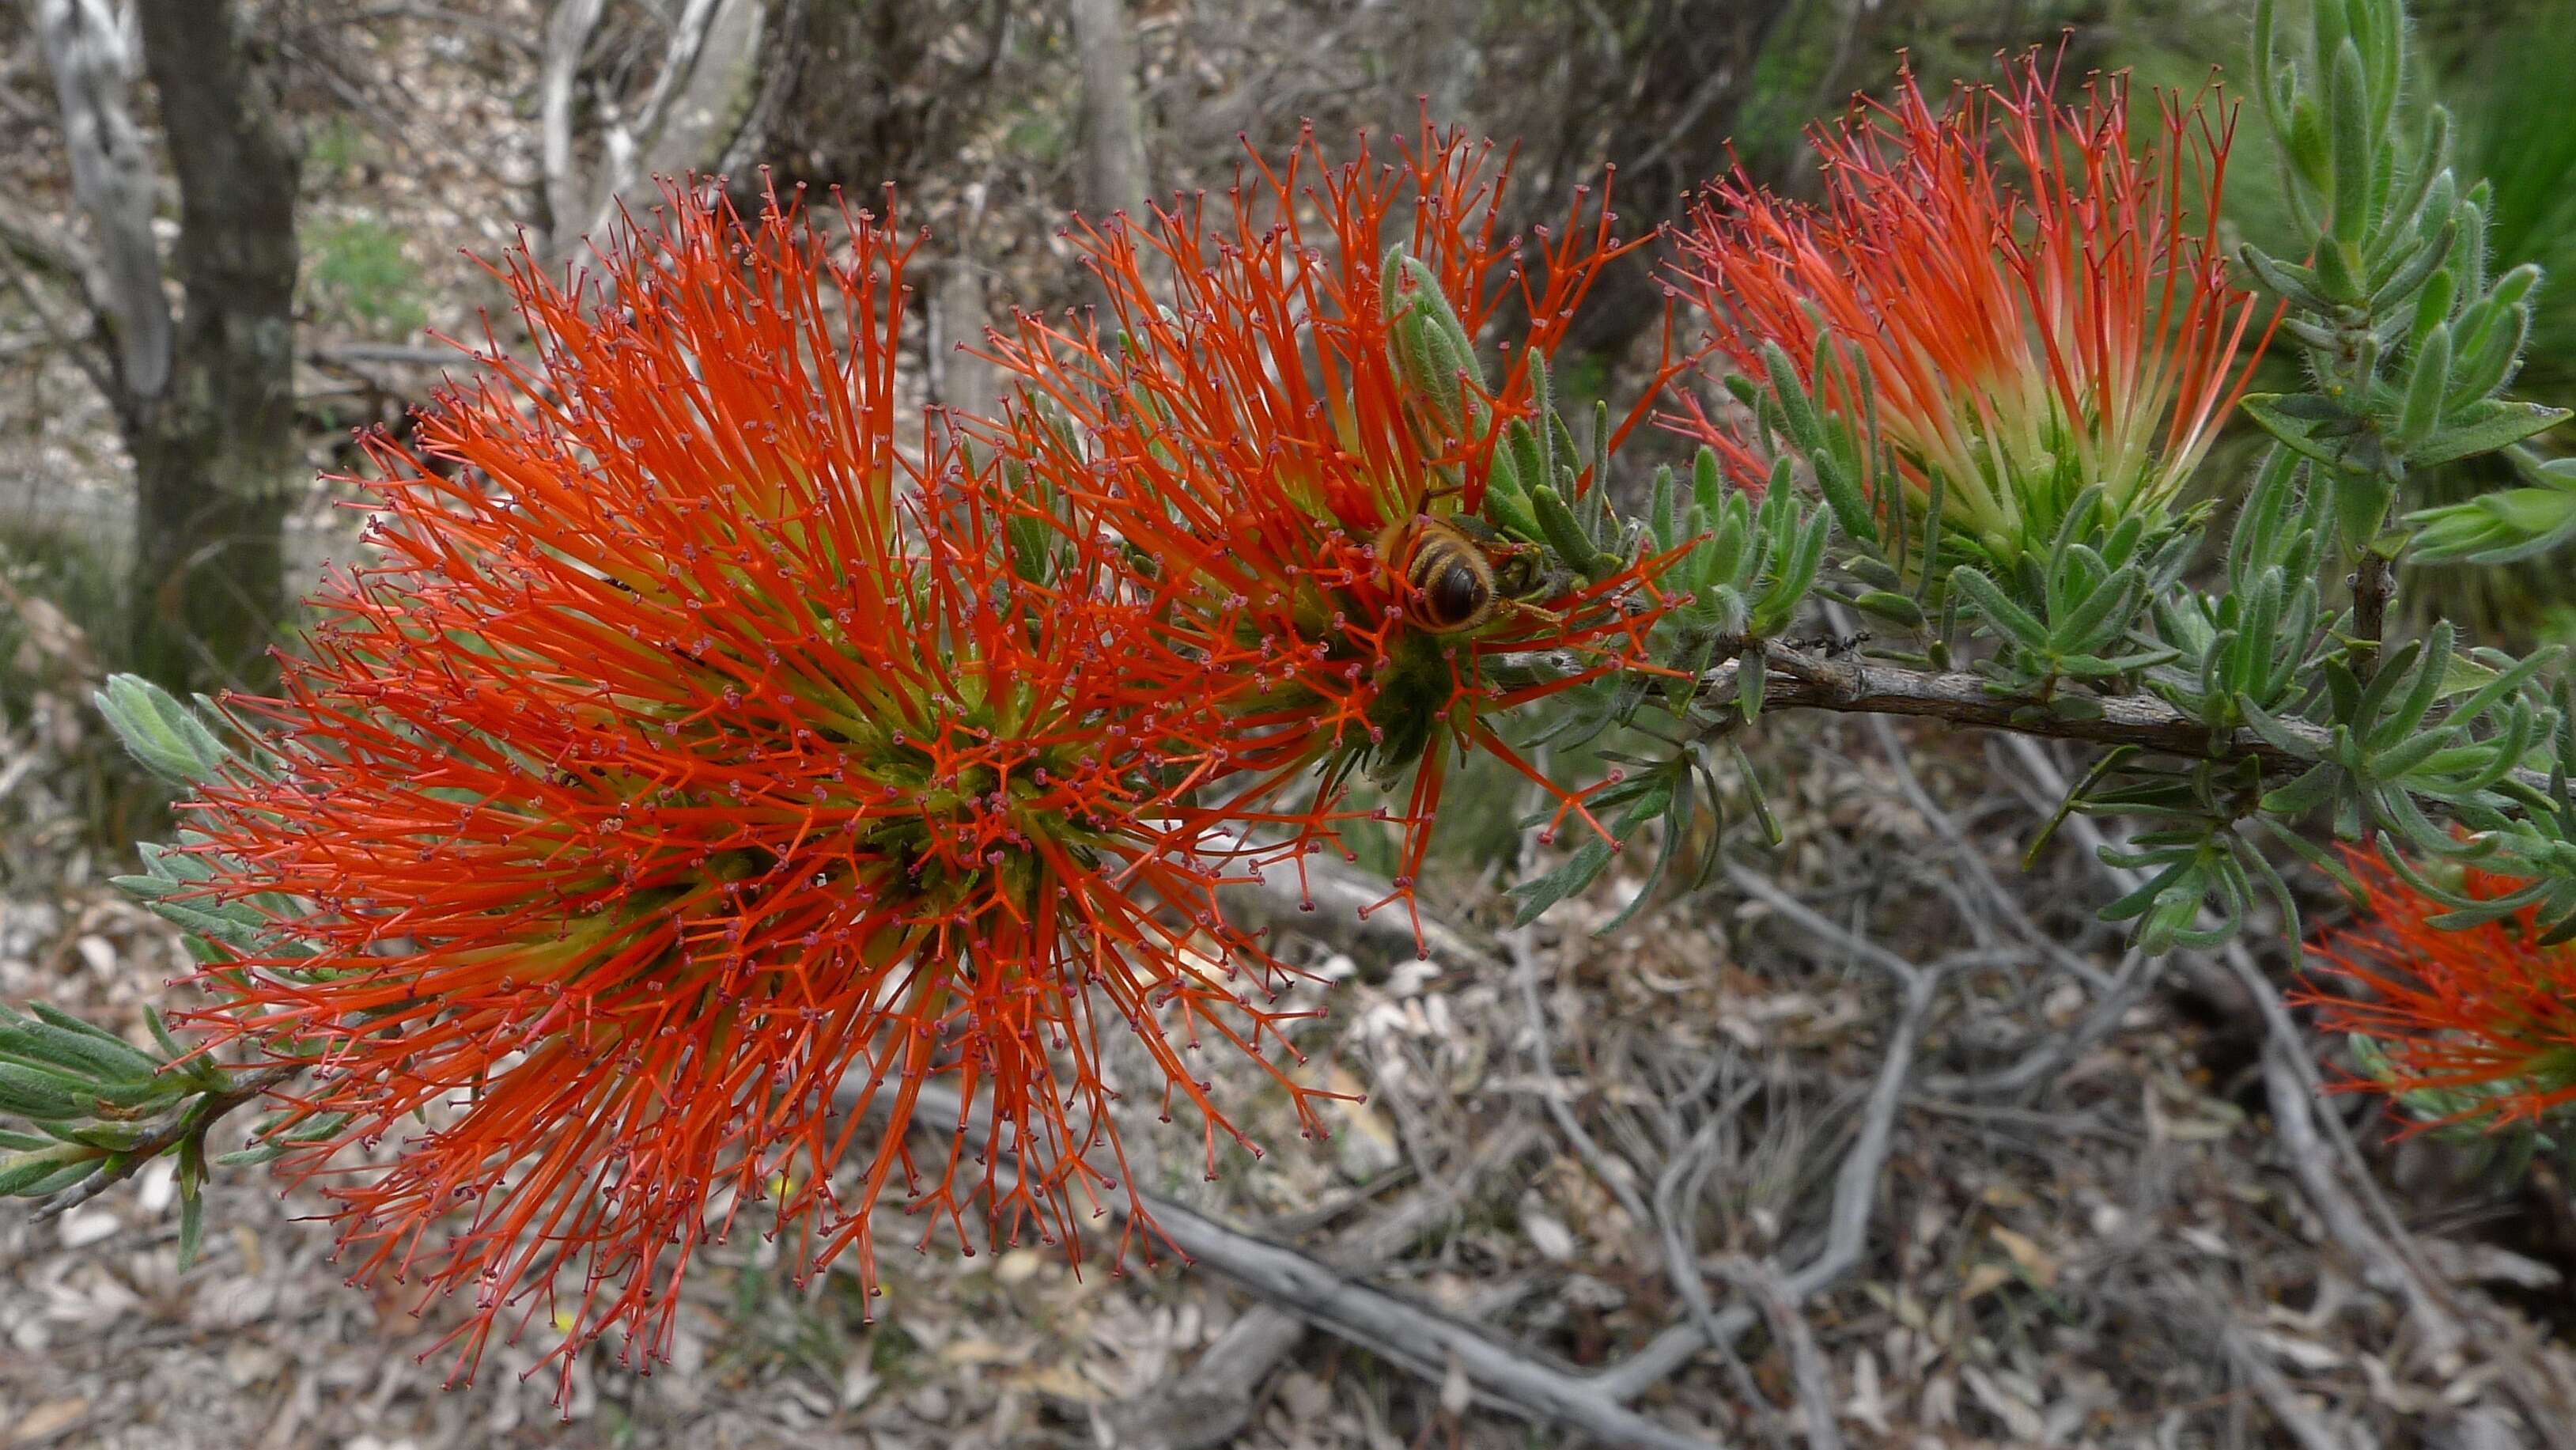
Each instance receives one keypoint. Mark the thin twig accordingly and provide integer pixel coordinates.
(92, 361)
(1614, 1173)
(1421, 1339)
(1754, 884)
(398, 354)
(199, 1114)
(1807, 1372)
(1972, 859)
(1318, 898)
(2040, 1066)
(25, 231)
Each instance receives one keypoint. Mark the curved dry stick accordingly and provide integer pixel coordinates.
(1209, 1403)
(1423, 1340)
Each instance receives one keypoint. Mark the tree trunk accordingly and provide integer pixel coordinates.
(1113, 143)
(959, 378)
(215, 448)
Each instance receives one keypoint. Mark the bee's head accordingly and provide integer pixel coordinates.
(1519, 574)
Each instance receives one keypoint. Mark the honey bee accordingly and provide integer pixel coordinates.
(1454, 581)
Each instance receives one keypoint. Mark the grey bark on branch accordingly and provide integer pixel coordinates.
(704, 94)
(92, 55)
(1113, 132)
(1796, 680)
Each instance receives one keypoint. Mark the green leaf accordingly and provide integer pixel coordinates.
(2401, 759)
(1779, 603)
(1588, 861)
(38, 1096)
(2355, 148)
(2485, 426)
(2294, 283)
(1567, 538)
(40, 1172)
(1708, 483)
(1431, 349)
(2008, 618)
(160, 1030)
(2279, 735)
(2268, 414)
(1676, 818)
(111, 1054)
(232, 931)
(2504, 527)
(157, 730)
(192, 1201)
(2313, 788)
(1892, 607)
(2425, 388)
(1753, 790)
(2101, 613)
(2421, 687)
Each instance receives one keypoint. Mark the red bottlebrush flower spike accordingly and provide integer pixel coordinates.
(2028, 328)
(2473, 1025)
(671, 772)
(1292, 453)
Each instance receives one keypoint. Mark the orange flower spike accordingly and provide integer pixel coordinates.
(2029, 329)
(1254, 440)
(2481, 1022)
(668, 770)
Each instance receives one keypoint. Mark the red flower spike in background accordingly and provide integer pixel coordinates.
(668, 772)
(1285, 408)
(2474, 1025)
(2029, 327)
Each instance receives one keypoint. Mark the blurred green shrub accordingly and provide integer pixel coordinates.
(2514, 128)
(62, 602)
(58, 594)
(355, 269)
(2518, 130)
